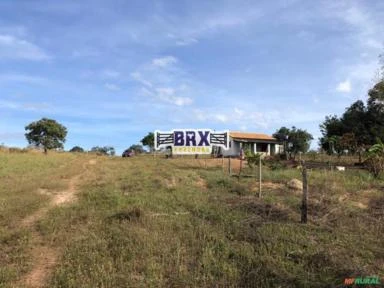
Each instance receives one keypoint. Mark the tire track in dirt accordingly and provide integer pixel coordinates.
(45, 257)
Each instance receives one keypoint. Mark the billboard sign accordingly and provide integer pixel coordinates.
(191, 141)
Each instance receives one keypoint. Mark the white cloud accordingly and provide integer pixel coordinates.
(243, 127)
(199, 115)
(166, 85)
(221, 118)
(24, 106)
(15, 48)
(168, 95)
(22, 78)
(108, 73)
(165, 92)
(239, 112)
(85, 52)
(111, 87)
(164, 61)
(181, 101)
(138, 77)
(344, 87)
(186, 41)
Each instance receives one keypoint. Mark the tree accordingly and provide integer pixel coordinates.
(46, 133)
(106, 150)
(282, 136)
(359, 126)
(136, 148)
(331, 129)
(375, 159)
(348, 142)
(295, 140)
(300, 141)
(149, 141)
(375, 112)
(77, 149)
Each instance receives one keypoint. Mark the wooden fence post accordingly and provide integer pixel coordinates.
(229, 166)
(304, 206)
(241, 168)
(260, 176)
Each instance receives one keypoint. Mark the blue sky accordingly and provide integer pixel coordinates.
(111, 71)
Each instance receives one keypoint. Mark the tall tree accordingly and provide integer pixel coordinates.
(296, 140)
(149, 141)
(375, 112)
(282, 136)
(359, 127)
(46, 133)
(330, 128)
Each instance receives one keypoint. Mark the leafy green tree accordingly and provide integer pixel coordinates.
(136, 148)
(46, 133)
(282, 135)
(375, 159)
(105, 150)
(149, 141)
(375, 113)
(77, 149)
(358, 127)
(296, 140)
(331, 128)
(300, 141)
(348, 142)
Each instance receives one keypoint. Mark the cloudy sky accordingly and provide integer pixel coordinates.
(111, 71)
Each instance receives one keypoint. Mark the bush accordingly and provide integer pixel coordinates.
(275, 164)
(375, 159)
(16, 150)
(77, 149)
(252, 159)
(106, 150)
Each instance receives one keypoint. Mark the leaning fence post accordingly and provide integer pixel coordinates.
(304, 206)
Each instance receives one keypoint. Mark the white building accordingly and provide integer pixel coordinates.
(256, 142)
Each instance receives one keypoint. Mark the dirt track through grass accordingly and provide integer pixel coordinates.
(44, 256)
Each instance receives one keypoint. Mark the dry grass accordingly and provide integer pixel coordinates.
(153, 222)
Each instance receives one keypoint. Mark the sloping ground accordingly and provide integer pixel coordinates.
(151, 222)
(27, 258)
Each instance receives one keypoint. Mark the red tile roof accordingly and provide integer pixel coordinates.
(253, 136)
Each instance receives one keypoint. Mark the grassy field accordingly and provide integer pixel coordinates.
(70, 220)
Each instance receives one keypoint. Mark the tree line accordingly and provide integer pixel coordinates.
(359, 130)
(359, 127)
(48, 134)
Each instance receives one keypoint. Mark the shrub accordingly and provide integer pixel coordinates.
(77, 149)
(106, 150)
(375, 159)
(275, 164)
(16, 150)
(252, 159)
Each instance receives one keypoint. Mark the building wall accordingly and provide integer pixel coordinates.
(235, 148)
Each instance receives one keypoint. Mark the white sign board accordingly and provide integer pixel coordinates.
(191, 141)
